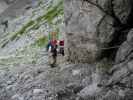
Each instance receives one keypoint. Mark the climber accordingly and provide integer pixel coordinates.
(61, 46)
(53, 52)
(51, 37)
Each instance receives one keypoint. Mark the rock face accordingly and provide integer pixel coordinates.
(94, 29)
(81, 21)
(125, 50)
(123, 6)
(121, 79)
(15, 7)
(92, 26)
(26, 24)
(4, 4)
(97, 29)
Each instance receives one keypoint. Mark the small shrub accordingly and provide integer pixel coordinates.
(41, 41)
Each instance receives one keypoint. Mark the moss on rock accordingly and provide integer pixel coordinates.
(40, 42)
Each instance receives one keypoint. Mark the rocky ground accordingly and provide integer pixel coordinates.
(67, 81)
(41, 82)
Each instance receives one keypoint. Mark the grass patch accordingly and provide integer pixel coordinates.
(41, 42)
(35, 26)
(49, 16)
(52, 13)
(22, 30)
(4, 44)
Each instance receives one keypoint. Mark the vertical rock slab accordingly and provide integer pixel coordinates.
(87, 28)
(81, 20)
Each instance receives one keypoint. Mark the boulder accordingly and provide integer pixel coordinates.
(88, 29)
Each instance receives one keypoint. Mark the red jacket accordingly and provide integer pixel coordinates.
(54, 42)
(61, 43)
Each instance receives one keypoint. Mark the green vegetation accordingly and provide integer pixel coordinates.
(35, 26)
(40, 42)
(52, 12)
(15, 35)
(5, 43)
(49, 16)
(22, 30)
(31, 53)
